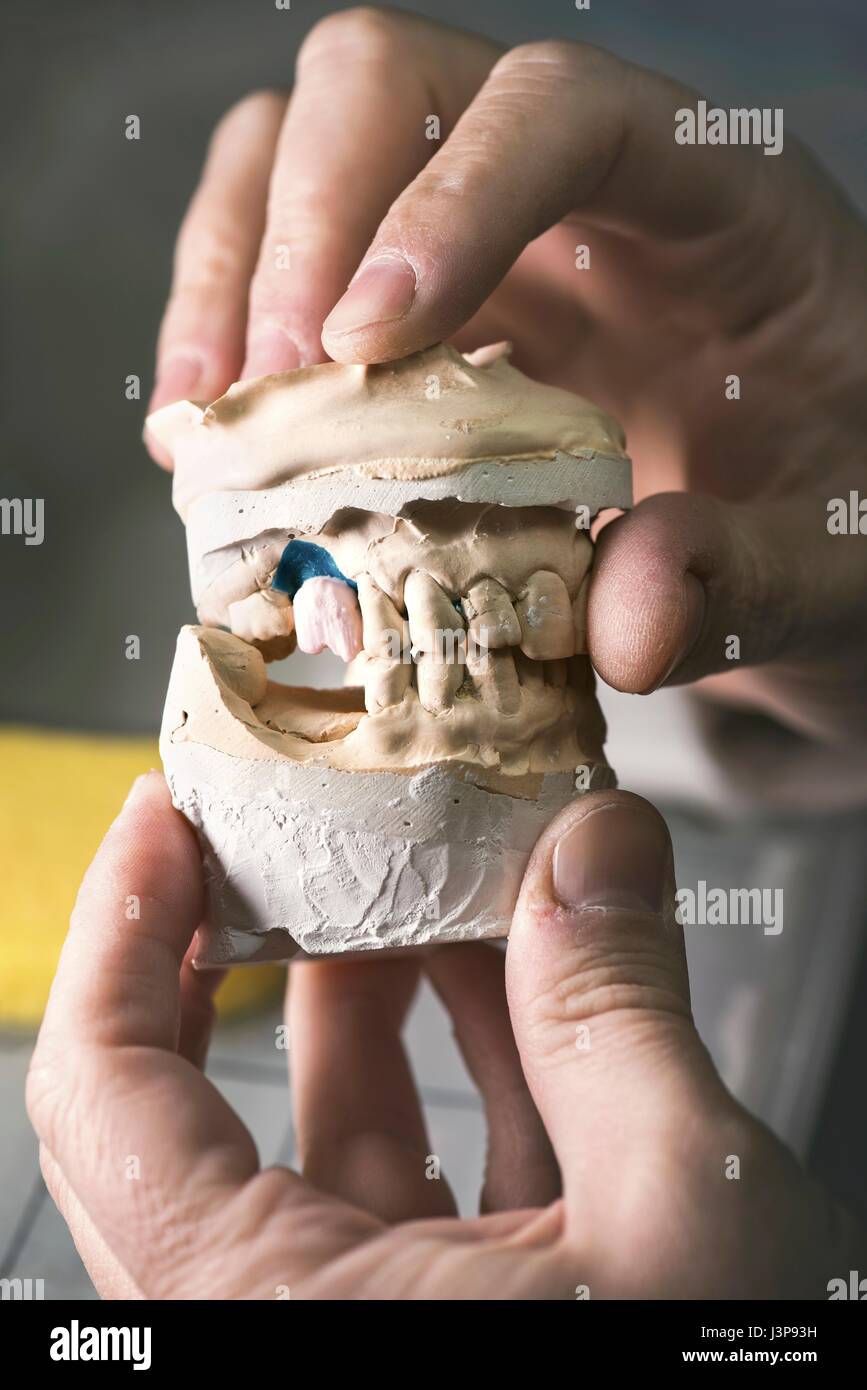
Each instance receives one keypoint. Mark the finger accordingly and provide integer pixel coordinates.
(150, 1148)
(109, 1278)
(521, 1170)
(680, 577)
(198, 1010)
(367, 82)
(599, 995)
(602, 143)
(358, 1118)
(201, 341)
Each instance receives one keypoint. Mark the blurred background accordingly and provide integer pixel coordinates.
(89, 223)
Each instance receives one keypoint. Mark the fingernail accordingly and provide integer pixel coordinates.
(696, 604)
(177, 379)
(384, 290)
(614, 856)
(271, 350)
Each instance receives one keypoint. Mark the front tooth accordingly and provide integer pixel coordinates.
(327, 615)
(438, 638)
(545, 614)
(387, 668)
(495, 679)
(492, 619)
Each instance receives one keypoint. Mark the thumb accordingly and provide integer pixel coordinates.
(598, 990)
(686, 586)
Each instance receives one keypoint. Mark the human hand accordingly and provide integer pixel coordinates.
(604, 1051)
(706, 262)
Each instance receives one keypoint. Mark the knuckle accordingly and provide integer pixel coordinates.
(210, 255)
(49, 1092)
(560, 59)
(363, 32)
(611, 991)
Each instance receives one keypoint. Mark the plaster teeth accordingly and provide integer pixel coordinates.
(492, 618)
(386, 671)
(437, 681)
(431, 614)
(530, 673)
(545, 614)
(495, 679)
(385, 682)
(262, 617)
(327, 615)
(438, 638)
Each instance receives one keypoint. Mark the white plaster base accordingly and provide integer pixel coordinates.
(327, 861)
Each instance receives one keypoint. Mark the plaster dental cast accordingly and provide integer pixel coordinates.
(427, 521)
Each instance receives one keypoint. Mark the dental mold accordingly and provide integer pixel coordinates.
(429, 521)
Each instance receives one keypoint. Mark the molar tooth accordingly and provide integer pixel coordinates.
(265, 618)
(545, 615)
(492, 619)
(327, 615)
(495, 679)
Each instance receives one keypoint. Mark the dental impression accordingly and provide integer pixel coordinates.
(428, 521)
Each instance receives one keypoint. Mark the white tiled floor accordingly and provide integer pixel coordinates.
(768, 1006)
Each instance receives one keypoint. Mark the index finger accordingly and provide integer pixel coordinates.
(368, 85)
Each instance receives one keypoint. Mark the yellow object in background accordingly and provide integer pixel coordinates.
(59, 793)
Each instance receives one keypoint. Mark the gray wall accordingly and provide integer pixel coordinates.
(89, 221)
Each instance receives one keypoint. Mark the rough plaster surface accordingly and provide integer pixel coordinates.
(328, 861)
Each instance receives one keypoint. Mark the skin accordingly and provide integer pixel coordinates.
(606, 1164)
(706, 261)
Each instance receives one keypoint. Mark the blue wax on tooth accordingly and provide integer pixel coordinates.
(302, 560)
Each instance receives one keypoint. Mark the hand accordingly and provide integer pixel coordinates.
(706, 262)
(604, 1050)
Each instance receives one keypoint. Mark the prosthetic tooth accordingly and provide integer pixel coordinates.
(579, 614)
(545, 615)
(327, 615)
(492, 619)
(495, 679)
